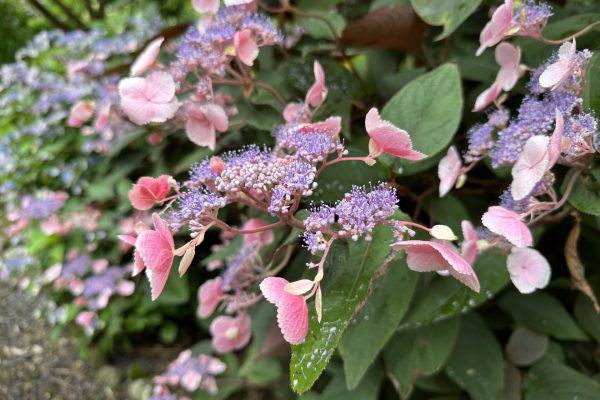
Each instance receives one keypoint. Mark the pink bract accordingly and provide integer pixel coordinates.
(230, 333)
(387, 138)
(468, 247)
(147, 57)
(530, 166)
(206, 6)
(203, 122)
(292, 310)
(449, 170)
(508, 58)
(528, 269)
(262, 238)
(497, 28)
(155, 248)
(209, 296)
(425, 256)
(318, 91)
(148, 191)
(245, 46)
(150, 99)
(81, 112)
(559, 71)
(507, 224)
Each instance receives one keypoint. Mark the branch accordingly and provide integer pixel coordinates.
(78, 22)
(48, 15)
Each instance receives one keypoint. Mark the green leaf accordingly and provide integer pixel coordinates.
(263, 371)
(376, 322)
(317, 28)
(448, 13)
(445, 297)
(591, 91)
(525, 346)
(348, 274)
(543, 313)
(585, 195)
(567, 26)
(367, 390)
(450, 211)
(176, 290)
(587, 316)
(476, 364)
(419, 352)
(551, 380)
(429, 108)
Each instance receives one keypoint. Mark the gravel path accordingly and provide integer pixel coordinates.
(32, 366)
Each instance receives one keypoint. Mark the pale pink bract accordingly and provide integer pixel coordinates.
(209, 296)
(156, 249)
(206, 6)
(246, 48)
(449, 170)
(387, 138)
(530, 166)
(147, 57)
(497, 28)
(528, 269)
(318, 91)
(468, 247)
(148, 191)
(262, 238)
(203, 123)
(507, 224)
(81, 112)
(426, 256)
(292, 310)
(230, 333)
(559, 71)
(149, 99)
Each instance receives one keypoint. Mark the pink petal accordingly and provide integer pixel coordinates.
(507, 55)
(425, 256)
(158, 280)
(163, 229)
(209, 296)
(488, 96)
(80, 113)
(217, 116)
(292, 318)
(332, 125)
(264, 238)
(318, 91)
(292, 112)
(507, 224)
(560, 70)
(528, 269)
(495, 30)
(292, 311)
(141, 198)
(103, 117)
(530, 166)
(127, 239)
(125, 288)
(147, 57)
(449, 170)
(389, 138)
(191, 379)
(245, 46)
(272, 289)
(468, 248)
(201, 133)
(230, 333)
(150, 99)
(554, 148)
(206, 6)
(138, 264)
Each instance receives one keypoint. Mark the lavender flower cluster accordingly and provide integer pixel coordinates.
(189, 372)
(308, 141)
(204, 48)
(353, 216)
(531, 16)
(536, 116)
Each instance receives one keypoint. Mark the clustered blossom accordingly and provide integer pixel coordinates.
(312, 142)
(190, 373)
(354, 216)
(205, 47)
